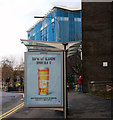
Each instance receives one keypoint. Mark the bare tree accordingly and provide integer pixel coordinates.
(12, 71)
(75, 63)
(7, 70)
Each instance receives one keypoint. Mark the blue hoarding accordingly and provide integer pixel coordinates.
(44, 79)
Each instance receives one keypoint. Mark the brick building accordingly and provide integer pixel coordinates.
(97, 29)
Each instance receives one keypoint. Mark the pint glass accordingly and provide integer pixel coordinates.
(43, 80)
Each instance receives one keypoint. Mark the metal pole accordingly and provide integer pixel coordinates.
(59, 27)
(65, 82)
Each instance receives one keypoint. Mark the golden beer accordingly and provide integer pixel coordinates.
(43, 80)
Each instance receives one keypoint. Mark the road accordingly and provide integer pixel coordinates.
(80, 105)
(10, 100)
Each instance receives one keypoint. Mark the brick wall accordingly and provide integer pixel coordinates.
(97, 41)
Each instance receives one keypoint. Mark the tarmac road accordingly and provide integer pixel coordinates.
(80, 105)
(10, 100)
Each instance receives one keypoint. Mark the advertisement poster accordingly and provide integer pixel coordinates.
(44, 79)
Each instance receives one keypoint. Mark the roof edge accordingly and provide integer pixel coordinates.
(66, 8)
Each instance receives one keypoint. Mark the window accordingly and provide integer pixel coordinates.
(77, 19)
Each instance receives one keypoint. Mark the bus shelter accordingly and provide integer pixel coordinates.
(45, 73)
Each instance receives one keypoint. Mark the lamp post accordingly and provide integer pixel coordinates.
(65, 67)
(53, 18)
(65, 71)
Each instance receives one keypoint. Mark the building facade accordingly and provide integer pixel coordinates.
(61, 24)
(97, 45)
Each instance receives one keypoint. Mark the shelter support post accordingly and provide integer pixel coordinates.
(65, 82)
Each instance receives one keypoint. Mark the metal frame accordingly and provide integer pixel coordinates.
(65, 82)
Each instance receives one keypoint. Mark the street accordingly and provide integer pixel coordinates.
(10, 100)
(80, 105)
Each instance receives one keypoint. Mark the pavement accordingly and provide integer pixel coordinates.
(87, 106)
(80, 106)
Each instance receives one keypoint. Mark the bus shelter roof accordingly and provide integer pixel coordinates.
(33, 45)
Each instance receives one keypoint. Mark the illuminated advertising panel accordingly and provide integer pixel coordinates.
(44, 79)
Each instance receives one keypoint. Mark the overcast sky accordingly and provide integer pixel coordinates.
(17, 16)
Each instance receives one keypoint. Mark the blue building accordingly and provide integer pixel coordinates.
(61, 24)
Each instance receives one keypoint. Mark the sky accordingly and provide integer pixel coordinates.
(17, 16)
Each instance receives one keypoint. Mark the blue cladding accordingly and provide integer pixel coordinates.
(37, 31)
(65, 26)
